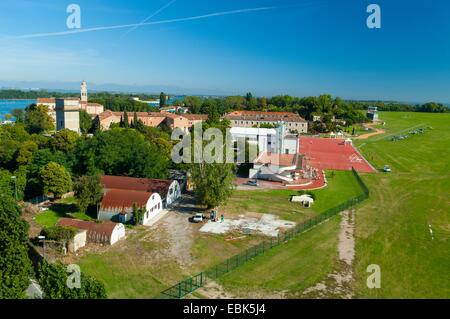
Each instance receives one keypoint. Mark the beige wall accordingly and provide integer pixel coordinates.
(94, 110)
(299, 127)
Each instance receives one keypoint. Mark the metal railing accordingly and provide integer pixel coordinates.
(189, 285)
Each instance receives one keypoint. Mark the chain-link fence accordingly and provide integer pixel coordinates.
(189, 285)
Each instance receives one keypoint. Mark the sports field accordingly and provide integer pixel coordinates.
(392, 227)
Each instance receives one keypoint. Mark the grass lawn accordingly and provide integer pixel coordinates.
(341, 186)
(63, 208)
(393, 225)
(134, 267)
(291, 267)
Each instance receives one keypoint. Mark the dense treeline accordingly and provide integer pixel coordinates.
(119, 102)
(31, 95)
(325, 106)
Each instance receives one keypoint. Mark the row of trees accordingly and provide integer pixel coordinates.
(307, 107)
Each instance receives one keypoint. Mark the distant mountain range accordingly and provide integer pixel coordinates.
(56, 86)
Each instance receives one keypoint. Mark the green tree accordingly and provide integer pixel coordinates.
(88, 191)
(194, 103)
(138, 214)
(213, 183)
(135, 120)
(250, 101)
(120, 152)
(53, 280)
(37, 120)
(125, 120)
(25, 153)
(64, 140)
(19, 115)
(55, 179)
(86, 122)
(162, 99)
(262, 103)
(15, 266)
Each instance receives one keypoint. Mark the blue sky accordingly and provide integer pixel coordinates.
(302, 47)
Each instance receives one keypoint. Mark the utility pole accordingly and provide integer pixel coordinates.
(15, 186)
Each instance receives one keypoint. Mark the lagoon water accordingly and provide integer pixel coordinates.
(7, 105)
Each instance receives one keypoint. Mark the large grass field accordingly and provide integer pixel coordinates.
(392, 227)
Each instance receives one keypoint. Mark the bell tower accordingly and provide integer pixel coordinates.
(84, 96)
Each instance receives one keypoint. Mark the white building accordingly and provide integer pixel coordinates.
(117, 205)
(169, 190)
(274, 140)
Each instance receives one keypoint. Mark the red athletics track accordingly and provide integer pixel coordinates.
(327, 153)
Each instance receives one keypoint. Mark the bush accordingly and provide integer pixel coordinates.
(59, 233)
(53, 280)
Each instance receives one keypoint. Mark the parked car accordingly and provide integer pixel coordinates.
(198, 218)
(387, 169)
(252, 183)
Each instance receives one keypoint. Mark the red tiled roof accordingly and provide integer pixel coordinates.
(148, 185)
(122, 199)
(104, 228)
(46, 100)
(194, 117)
(109, 113)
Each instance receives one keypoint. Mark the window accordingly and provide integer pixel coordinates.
(159, 205)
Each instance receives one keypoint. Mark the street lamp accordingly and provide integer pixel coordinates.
(15, 185)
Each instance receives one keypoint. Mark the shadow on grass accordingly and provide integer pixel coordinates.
(63, 209)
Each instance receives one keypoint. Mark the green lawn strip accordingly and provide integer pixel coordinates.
(393, 225)
(290, 267)
(63, 208)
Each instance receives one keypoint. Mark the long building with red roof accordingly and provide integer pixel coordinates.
(122, 193)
